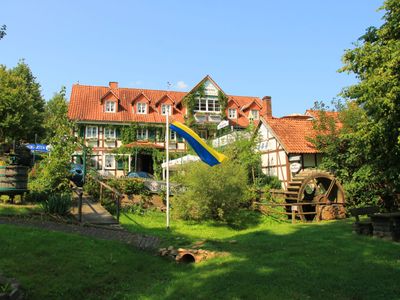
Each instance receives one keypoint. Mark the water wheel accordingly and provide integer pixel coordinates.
(319, 187)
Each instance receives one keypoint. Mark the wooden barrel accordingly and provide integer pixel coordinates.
(13, 178)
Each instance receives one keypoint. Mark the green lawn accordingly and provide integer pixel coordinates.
(12, 209)
(269, 260)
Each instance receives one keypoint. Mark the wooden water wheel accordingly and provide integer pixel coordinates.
(319, 187)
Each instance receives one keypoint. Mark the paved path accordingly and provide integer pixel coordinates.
(144, 242)
(94, 213)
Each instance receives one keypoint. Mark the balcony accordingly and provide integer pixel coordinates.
(207, 117)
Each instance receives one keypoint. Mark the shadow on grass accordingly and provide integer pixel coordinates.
(310, 261)
(302, 261)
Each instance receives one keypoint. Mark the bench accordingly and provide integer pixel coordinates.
(365, 226)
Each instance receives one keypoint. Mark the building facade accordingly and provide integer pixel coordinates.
(285, 145)
(104, 114)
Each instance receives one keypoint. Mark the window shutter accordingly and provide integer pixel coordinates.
(118, 133)
(120, 164)
(152, 134)
(180, 139)
(82, 131)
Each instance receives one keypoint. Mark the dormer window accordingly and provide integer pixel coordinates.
(232, 113)
(165, 108)
(110, 106)
(254, 114)
(141, 108)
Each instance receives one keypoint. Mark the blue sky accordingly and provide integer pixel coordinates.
(289, 49)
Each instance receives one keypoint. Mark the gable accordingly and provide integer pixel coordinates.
(210, 89)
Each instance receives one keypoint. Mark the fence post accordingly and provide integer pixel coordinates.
(294, 209)
(118, 206)
(80, 193)
(101, 193)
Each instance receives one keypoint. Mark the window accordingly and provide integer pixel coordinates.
(141, 134)
(208, 104)
(172, 135)
(203, 134)
(109, 133)
(165, 108)
(254, 114)
(232, 113)
(110, 106)
(93, 162)
(109, 161)
(91, 132)
(142, 108)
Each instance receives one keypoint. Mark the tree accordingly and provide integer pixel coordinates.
(53, 172)
(3, 32)
(366, 150)
(55, 114)
(21, 105)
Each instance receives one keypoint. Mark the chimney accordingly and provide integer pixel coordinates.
(268, 106)
(113, 85)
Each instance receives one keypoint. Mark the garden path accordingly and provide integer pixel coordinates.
(141, 241)
(94, 213)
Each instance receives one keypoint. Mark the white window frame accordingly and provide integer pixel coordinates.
(172, 135)
(207, 101)
(232, 113)
(141, 108)
(110, 106)
(254, 114)
(142, 132)
(92, 132)
(109, 164)
(164, 109)
(109, 133)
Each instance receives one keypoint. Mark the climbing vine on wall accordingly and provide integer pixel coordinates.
(190, 102)
(129, 133)
(223, 102)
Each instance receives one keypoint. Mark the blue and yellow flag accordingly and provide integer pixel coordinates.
(205, 152)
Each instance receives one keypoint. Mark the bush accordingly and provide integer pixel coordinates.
(129, 186)
(92, 187)
(215, 193)
(37, 196)
(272, 182)
(59, 204)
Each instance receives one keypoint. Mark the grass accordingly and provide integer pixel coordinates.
(20, 209)
(268, 260)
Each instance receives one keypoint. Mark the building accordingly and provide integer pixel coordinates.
(285, 145)
(104, 114)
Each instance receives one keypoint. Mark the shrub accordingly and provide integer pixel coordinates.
(92, 187)
(215, 193)
(59, 204)
(272, 182)
(37, 196)
(129, 186)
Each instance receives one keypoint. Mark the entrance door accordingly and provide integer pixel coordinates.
(144, 163)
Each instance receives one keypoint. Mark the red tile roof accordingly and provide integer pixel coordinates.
(293, 133)
(85, 105)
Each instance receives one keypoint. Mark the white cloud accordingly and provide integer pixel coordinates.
(181, 85)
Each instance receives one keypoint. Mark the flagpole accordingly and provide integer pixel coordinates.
(167, 161)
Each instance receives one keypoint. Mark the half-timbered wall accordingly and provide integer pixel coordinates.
(102, 147)
(273, 156)
(275, 161)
